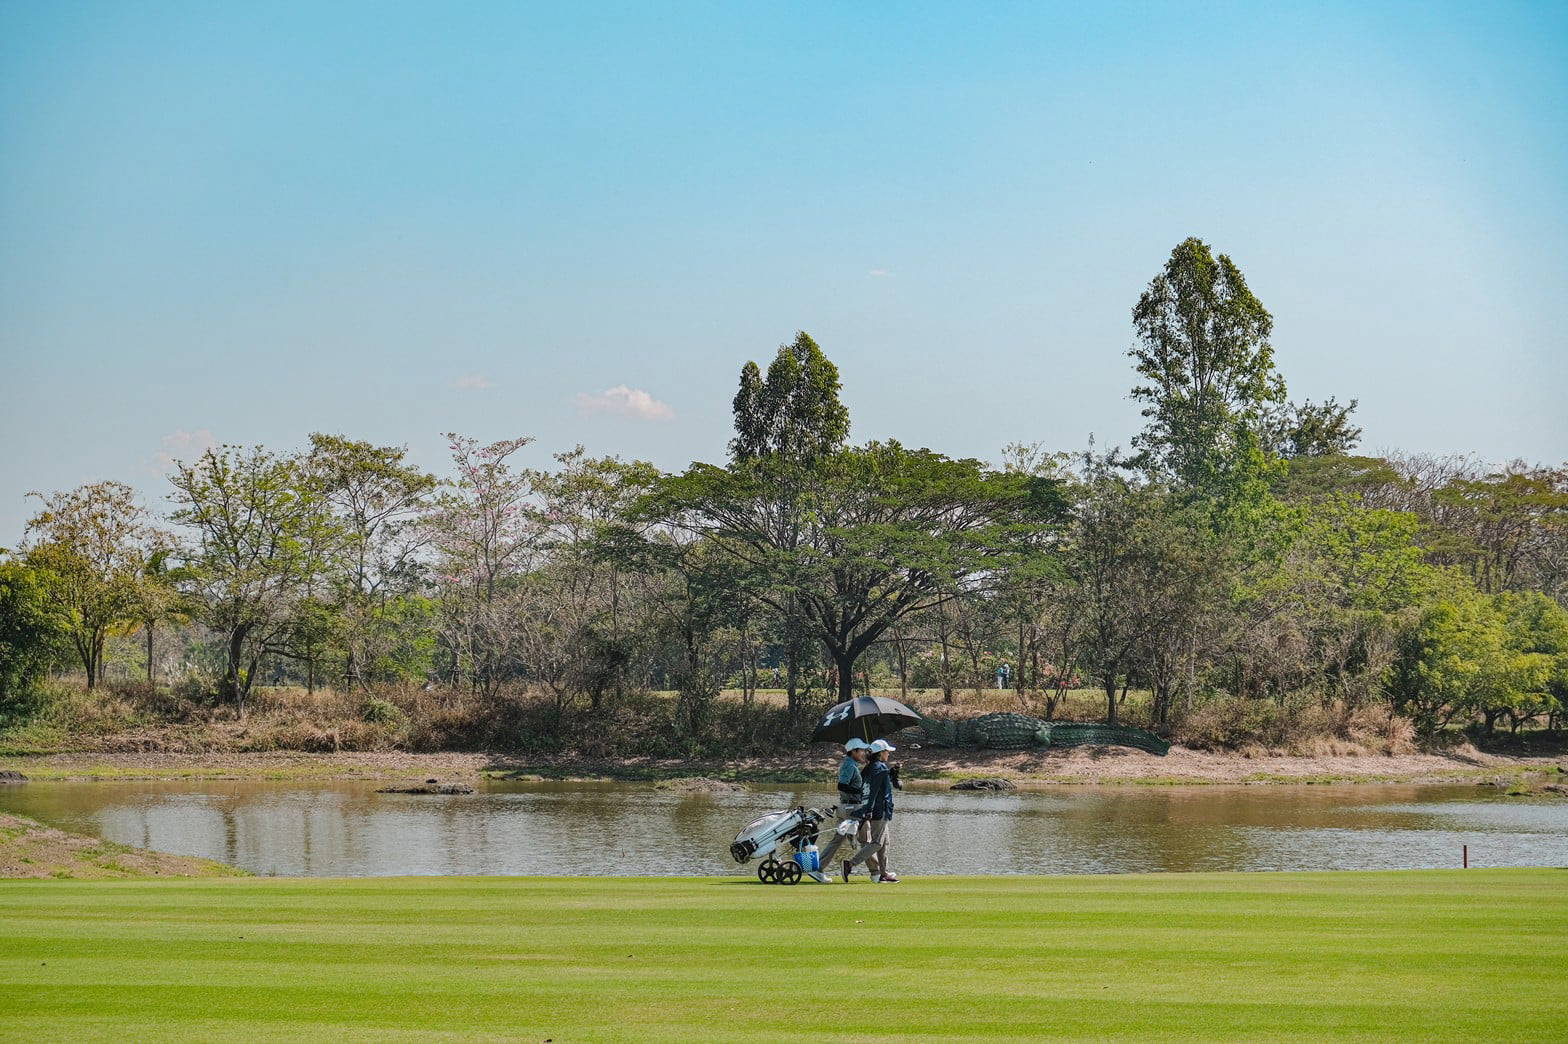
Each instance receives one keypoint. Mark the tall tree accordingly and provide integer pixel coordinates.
(486, 533)
(92, 543)
(1208, 372)
(260, 532)
(377, 499)
(784, 424)
(795, 414)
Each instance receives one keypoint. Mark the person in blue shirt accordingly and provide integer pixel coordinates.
(851, 795)
(877, 815)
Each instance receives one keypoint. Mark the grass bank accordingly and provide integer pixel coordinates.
(30, 849)
(929, 767)
(1430, 955)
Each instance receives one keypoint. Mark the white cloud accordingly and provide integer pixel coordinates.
(183, 445)
(473, 382)
(629, 402)
(879, 273)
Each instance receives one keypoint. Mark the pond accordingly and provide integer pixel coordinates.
(587, 828)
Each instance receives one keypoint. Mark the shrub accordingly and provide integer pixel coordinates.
(1301, 725)
(381, 712)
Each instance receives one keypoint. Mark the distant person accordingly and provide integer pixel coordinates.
(851, 795)
(877, 814)
(777, 681)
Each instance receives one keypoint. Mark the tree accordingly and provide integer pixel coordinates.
(159, 600)
(1537, 636)
(1310, 429)
(784, 425)
(1504, 527)
(1129, 566)
(486, 532)
(260, 530)
(29, 628)
(693, 592)
(878, 532)
(580, 629)
(1457, 661)
(795, 414)
(376, 499)
(1208, 370)
(92, 544)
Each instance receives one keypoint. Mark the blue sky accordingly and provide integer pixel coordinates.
(247, 222)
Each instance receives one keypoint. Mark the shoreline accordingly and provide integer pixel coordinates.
(1078, 766)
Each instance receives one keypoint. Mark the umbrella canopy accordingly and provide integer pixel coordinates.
(864, 717)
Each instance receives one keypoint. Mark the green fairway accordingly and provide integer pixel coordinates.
(1451, 954)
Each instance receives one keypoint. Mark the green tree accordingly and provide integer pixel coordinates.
(785, 424)
(376, 499)
(1309, 429)
(30, 626)
(92, 543)
(1506, 528)
(795, 414)
(1454, 663)
(160, 600)
(1537, 635)
(259, 529)
(1208, 373)
(1130, 565)
(580, 626)
(883, 532)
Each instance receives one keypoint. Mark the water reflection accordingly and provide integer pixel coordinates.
(547, 828)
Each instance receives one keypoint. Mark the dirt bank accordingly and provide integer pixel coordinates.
(1080, 765)
(30, 849)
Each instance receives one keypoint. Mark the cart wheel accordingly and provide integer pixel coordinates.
(789, 873)
(768, 872)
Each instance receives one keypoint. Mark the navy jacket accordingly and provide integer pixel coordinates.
(879, 781)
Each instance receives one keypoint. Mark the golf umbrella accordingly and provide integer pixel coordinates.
(864, 717)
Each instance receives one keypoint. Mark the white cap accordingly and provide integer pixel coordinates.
(855, 744)
(878, 746)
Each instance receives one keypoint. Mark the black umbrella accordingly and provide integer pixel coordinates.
(865, 717)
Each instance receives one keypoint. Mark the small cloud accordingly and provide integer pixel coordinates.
(473, 382)
(879, 273)
(629, 402)
(182, 445)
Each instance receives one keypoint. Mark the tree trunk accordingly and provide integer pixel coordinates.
(1022, 660)
(791, 677)
(844, 666)
(231, 681)
(151, 681)
(903, 671)
(1108, 680)
(947, 676)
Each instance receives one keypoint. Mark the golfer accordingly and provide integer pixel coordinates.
(851, 795)
(877, 814)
